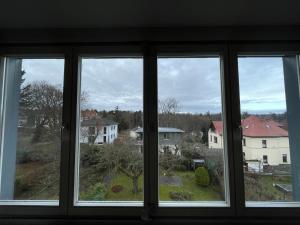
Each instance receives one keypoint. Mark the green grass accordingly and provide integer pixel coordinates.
(126, 194)
(189, 185)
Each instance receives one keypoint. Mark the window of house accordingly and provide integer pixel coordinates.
(210, 138)
(265, 159)
(244, 142)
(284, 158)
(111, 174)
(166, 136)
(264, 143)
(215, 139)
(31, 119)
(189, 89)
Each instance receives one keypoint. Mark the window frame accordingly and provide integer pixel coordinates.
(95, 210)
(205, 210)
(255, 49)
(150, 210)
(18, 209)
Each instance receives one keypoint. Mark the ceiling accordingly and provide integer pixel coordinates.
(146, 13)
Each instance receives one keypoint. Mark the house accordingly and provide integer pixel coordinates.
(169, 139)
(264, 142)
(97, 130)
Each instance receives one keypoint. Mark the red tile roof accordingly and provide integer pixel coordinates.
(254, 126)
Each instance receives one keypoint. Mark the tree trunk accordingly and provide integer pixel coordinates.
(135, 185)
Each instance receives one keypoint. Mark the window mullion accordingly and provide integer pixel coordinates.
(150, 125)
(236, 133)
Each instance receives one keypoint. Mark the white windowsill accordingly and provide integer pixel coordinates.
(193, 204)
(268, 204)
(30, 202)
(110, 203)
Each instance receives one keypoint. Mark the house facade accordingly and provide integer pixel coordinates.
(168, 138)
(97, 130)
(264, 142)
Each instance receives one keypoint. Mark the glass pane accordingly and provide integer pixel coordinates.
(268, 169)
(32, 91)
(110, 131)
(191, 145)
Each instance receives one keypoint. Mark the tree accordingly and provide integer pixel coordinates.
(167, 110)
(43, 101)
(131, 164)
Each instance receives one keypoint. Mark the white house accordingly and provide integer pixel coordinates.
(98, 131)
(264, 142)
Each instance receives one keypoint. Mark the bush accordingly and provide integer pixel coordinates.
(180, 195)
(96, 193)
(117, 188)
(202, 176)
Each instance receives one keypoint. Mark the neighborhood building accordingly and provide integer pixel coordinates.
(169, 139)
(97, 130)
(264, 142)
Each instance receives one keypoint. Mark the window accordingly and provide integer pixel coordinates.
(268, 121)
(215, 139)
(244, 142)
(166, 136)
(210, 138)
(111, 173)
(31, 107)
(264, 143)
(189, 99)
(284, 158)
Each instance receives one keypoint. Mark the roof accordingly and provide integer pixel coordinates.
(93, 122)
(218, 125)
(163, 130)
(254, 126)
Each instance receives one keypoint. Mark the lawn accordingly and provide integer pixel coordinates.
(188, 185)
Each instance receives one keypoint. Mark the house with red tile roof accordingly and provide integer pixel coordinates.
(264, 141)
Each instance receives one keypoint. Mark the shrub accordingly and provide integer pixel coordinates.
(180, 195)
(96, 193)
(117, 188)
(202, 176)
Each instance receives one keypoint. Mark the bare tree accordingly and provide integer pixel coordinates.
(167, 110)
(98, 128)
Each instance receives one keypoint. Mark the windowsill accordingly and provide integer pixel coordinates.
(110, 203)
(193, 204)
(30, 202)
(270, 204)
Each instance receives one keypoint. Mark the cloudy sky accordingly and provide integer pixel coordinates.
(193, 82)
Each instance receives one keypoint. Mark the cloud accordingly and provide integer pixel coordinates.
(194, 82)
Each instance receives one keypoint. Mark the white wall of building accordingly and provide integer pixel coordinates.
(214, 140)
(103, 137)
(275, 149)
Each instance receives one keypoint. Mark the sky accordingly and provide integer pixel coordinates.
(193, 82)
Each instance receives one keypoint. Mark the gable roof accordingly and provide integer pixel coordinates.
(254, 126)
(162, 130)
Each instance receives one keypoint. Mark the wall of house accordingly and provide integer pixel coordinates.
(211, 143)
(111, 134)
(276, 147)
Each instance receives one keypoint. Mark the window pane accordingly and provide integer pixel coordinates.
(32, 91)
(110, 132)
(191, 159)
(269, 169)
